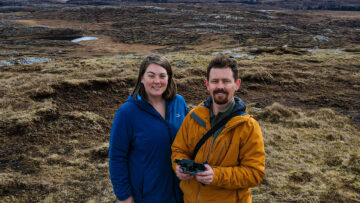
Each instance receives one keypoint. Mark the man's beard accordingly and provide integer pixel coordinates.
(221, 101)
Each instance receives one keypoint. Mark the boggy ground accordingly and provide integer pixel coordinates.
(300, 78)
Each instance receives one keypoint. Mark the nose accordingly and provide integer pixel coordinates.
(157, 79)
(220, 85)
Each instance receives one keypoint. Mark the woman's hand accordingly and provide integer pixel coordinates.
(128, 200)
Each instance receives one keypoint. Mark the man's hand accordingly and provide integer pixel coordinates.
(128, 200)
(181, 175)
(207, 176)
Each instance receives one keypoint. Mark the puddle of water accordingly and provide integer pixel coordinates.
(128, 56)
(320, 38)
(316, 49)
(243, 55)
(235, 55)
(6, 63)
(24, 61)
(84, 39)
(222, 52)
(32, 60)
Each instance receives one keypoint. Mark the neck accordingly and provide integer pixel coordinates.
(156, 100)
(219, 107)
(159, 105)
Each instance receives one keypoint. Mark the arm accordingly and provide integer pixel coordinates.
(180, 148)
(186, 108)
(251, 171)
(120, 140)
(128, 200)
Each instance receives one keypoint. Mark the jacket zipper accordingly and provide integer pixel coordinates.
(207, 158)
(208, 152)
(198, 196)
(169, 133)
(171, 141)
(221, 150)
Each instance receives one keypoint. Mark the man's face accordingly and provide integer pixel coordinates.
(222, 85)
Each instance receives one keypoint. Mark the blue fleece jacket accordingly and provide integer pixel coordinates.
(140, 150)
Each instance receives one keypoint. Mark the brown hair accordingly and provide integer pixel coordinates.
(222, 61)
(170, 91)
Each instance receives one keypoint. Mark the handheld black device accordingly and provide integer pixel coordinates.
(189, 166)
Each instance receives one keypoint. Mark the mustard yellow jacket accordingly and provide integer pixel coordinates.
(237, 156)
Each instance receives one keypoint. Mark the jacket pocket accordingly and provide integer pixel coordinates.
(148, 185)
(217, 194)
(190, 190)
(137, 184)
(243, 195)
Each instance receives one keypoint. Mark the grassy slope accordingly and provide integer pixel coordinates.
(56, 117)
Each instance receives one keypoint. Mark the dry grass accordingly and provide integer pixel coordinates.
(55, 118)
(55, 122)
(310, 155)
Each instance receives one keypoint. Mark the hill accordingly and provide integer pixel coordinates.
(300, 73)
(344, 5)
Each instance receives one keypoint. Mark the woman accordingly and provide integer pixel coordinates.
(143, 130)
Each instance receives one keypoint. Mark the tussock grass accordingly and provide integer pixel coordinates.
(257, 74)
(55, 125)
(355, 49)
(279, 51)
(306, 153)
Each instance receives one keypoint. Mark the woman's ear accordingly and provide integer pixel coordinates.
(142, 80)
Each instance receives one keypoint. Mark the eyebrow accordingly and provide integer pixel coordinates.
(223, 79)
(150, 72)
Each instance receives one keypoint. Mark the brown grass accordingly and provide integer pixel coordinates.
(308, 155)
(62, 115)
(55, 118)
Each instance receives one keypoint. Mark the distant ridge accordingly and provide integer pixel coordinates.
(343, 5)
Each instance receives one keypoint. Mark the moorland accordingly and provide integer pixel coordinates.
(300, 72)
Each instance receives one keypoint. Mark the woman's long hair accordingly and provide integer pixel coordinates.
(171, 89)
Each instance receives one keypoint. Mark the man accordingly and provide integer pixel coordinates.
(234, 155)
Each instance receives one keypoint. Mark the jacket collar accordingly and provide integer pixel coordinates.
(146, 106)
(201, 114)
(143, 104)
(239, 104)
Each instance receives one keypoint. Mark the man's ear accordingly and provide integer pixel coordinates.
(206, 84)
(238, 82)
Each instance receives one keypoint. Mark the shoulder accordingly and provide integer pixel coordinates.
(201, 109)
(249, 123)
(178, 103)
(242, 121)
(253, 122)
(199, 114)
(178, 98)
(127, 108)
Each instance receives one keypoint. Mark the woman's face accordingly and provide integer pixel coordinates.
(155, 80)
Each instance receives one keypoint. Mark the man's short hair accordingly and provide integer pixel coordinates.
(222, 61)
